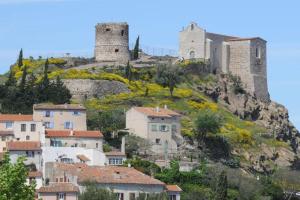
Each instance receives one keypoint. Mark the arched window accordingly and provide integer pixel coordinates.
(192, 54)
(192, 27)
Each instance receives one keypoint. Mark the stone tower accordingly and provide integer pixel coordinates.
(112, 42)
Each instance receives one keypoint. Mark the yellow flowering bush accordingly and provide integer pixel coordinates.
(203, 105)
(183, 93)
(237, 135)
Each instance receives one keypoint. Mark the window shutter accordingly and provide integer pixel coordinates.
(65, 196)
(51, 125)
(71, 125)
(51, 113)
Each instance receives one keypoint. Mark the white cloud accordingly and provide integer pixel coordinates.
(30, 1)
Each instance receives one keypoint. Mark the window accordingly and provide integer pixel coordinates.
(122, 32)
(32, 127)
(97, 145)
(192, 54)
(27, 137)
(68, 125)
(61, 196)
(157, 141)
(153, 127)
(108, 29)
(120, 196)
(115, 161)
(8, 125)
(192, 27)
(164, 128)
(258, 52)
(162, 118)
(49, 125)
(116, 50)
(47, 113)
(23, 127)
(172, 197)
(3, 138)
(131, 196)
(30, 154)
(76, 112)
(174, 128)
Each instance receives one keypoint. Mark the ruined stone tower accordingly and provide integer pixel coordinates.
(112, 42)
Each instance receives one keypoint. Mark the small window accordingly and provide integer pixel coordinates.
(122, 32)
(153, 127)
(76, 113)
(3, 138)
(27, 137)
(192, 27)
(97, 145)
(164, 128)
(8, 125)
(48, 113)
(157, 141)
(258, 52)
(30, 154)
(48, 125)
(68, 125)
(162, 118)
(32, 127)
(23, 127)
(116, 50)
(131, 196)
(108, 29)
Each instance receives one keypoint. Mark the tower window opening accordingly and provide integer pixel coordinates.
(192, 27)
(107, 29)
(122, 32)
(258, 52)
(116, 50)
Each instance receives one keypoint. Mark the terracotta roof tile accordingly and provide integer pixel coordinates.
(115, 153)
(23, 146)
(70, 133)
(59, 187)
(35, 174)
(15, 117)
(154, 112)
(45, 106)
(83, 158)
(173, 188)
(116, 175)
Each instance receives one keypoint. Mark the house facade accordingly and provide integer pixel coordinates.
(115, 158)
(58, 191)
(61, 117)
(160, 126)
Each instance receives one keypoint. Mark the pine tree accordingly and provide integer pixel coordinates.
(11, 81)
(221, 187)
(136, 48)
(20, 59)
(59, 92)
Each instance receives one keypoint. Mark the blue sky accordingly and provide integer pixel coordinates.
(54, 27)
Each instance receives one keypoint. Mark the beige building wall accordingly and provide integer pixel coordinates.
(52, 196)
(30, 133)
(58, 118)
(89, 143)
(137, 123)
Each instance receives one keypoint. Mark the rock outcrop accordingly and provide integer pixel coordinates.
(86, 88)
(271, 115)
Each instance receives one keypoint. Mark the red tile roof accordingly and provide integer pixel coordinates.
(70, 133)
(15, 117)
(35, 174)
(116, 175)
(59, 187)
(154, 112)
(6, 133)
(115, 153)
(23, 146)
(83, 158)
(173, 188)
(46, 106)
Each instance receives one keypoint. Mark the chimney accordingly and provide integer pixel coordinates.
(157, 108)
(166, 107)
(71, 133)
(123, 145)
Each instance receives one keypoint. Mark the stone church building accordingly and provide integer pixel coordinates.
(245, 57)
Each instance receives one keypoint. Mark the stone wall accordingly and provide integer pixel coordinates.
(112, 42)
(86, 88)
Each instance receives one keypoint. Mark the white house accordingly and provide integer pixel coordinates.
(160, 126)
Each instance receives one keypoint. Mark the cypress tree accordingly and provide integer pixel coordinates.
(20, 59)
(23, 80)
(128, 73)
(44, 85)
(136, 48)
(221, 187)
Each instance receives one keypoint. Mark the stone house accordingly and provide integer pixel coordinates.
(244, 57)
(127, 182)
(173, 192)
(61, 117)
(14, 127)
(32, 151)
(58, 191)
(160, 126)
